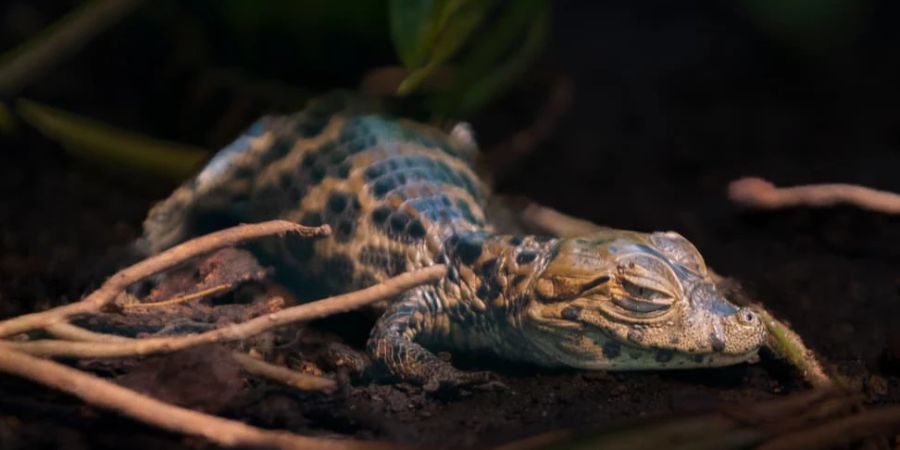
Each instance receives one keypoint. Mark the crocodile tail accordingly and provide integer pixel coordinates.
(218, 195)
(174, 219)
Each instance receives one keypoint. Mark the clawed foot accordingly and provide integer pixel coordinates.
(454, 380)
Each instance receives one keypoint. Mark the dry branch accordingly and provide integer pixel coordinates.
(549, 220)
(841, 431)
(151, 266)
(309, 311)
(284, 375)
(217, 289)
(758, 193)
(248, 363)
(65, 330)
(102, 393)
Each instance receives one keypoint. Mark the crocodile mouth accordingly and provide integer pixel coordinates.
(619, 355)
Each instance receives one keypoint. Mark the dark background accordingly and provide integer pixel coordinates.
(672, 101)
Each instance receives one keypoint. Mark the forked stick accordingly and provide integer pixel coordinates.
(153, 265)
(308, 311)
(250, 364)
(105, 394)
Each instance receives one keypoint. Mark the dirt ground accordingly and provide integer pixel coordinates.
(670, 106)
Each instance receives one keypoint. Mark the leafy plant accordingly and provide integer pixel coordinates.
(484, 43)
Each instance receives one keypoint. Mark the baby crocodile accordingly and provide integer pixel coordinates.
(400, 195)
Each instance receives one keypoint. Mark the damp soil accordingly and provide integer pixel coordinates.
(650, 143)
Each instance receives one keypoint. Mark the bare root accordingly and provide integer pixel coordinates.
(152, 266)
(758, 193)
(99, 392)
(79, 342)
(235, 332)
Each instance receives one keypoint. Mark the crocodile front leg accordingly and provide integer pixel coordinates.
(393, 347)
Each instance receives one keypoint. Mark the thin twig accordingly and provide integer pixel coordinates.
(66, 330)
(181, 298)
(153, 265)
(284, 375)
(99, 392)
(248, 363)
(787, 344)
(27, 62)
(551, 221)
(309, 311)
(758, 193)
(841, 431)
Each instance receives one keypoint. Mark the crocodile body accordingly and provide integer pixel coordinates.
(400, 195)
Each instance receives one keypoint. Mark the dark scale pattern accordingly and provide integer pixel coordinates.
(490, 269)
(340, 270)
(489, 272)
(612, 349)
(398, 225)
(466, 210)
(365, 279)
(526, 257)
(437, 208)
(280, 148)
(664, 355)
(398, 170)
(571, 312)
(311, 219)
(313, 120)
(331, 159)
(467, 247)
(299, 248)
(380, 258)
(341, 213)
(393, 131)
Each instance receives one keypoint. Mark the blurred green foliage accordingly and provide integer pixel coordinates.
(108, 146)
(477, 48)
(485, 44)
(7, 120)
(814, 27)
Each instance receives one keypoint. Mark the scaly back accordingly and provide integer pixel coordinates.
(392, 191)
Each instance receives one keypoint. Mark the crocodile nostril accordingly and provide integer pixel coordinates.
(746, 316)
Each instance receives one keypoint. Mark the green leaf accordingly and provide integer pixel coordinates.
(488, 56)
(507, 49)
(410, 24)
(102, 143)
(456, 24)
(7, 120)
(448, 30)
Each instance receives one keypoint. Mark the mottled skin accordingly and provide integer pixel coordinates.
(400, 195)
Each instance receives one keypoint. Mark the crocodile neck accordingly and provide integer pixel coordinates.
(486, 289)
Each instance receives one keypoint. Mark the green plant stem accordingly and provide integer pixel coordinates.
(24, 64)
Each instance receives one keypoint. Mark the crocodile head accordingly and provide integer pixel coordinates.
(621, 300)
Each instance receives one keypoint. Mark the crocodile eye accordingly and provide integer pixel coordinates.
(679, 250)
(645, 288)
(643, 292)
(642, 299)
(640, 307)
